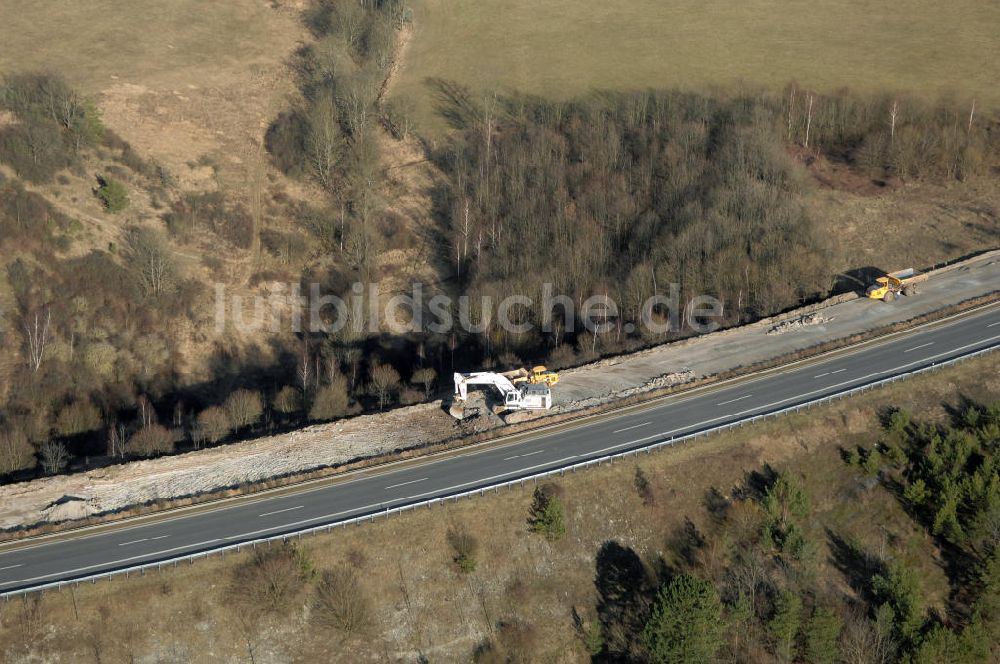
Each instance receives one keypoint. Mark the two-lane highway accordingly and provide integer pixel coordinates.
(70, 557)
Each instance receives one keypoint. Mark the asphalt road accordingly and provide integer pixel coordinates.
(72, 557)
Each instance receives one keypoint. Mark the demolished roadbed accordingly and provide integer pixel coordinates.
(115, 492)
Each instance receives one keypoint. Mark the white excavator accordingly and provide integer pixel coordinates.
(524, 396)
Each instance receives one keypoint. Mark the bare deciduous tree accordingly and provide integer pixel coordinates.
(271, 579)
(147, 414)
(288, 400)
(16, 452)
(353, 357)
(342, 603)
(36, 337)
(325, 140)
(425, 377)
(152, 260)
(304, 369)
(116, 439)
(331, 401)
(866, 641)
(244, 408)
(213, 424)
(151, 440)
(54, 457)
(385, 381)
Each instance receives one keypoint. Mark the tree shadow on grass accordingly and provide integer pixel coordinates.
(857, 565)
(453, 101)
(624, 589)
(756, 483)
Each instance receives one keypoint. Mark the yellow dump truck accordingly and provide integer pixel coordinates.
(537, 376)
(890, 286)
(540, 375)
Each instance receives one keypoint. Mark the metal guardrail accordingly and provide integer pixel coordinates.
(519, 481)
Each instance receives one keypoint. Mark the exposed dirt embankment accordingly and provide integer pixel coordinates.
(412, 430)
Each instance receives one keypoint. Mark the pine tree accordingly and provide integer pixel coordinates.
(547, 514)
(686, 622)
(784, 625)
(821, 636)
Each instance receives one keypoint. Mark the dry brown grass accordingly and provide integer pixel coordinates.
(179, 80)
(565, 48)
(917, 224)
(424, 606)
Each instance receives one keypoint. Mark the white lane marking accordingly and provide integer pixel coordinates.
(287, 509)
(745, 396)
(929, 343)
(695, 426)
(634, 426)
(299, 523)
(518, 456)
(631, 442)
(393, 486)
(494, 477)
(108, 564)
(825, 373)
(487, 479)
(12, 566)
(144, 539)
(240, 501)
(414, 497)
(810, 393)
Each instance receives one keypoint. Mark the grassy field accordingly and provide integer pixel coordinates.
(143, 42)
(424, 608)
(178, 80)
(567, 47)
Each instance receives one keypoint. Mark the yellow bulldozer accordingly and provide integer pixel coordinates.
(890, 286)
